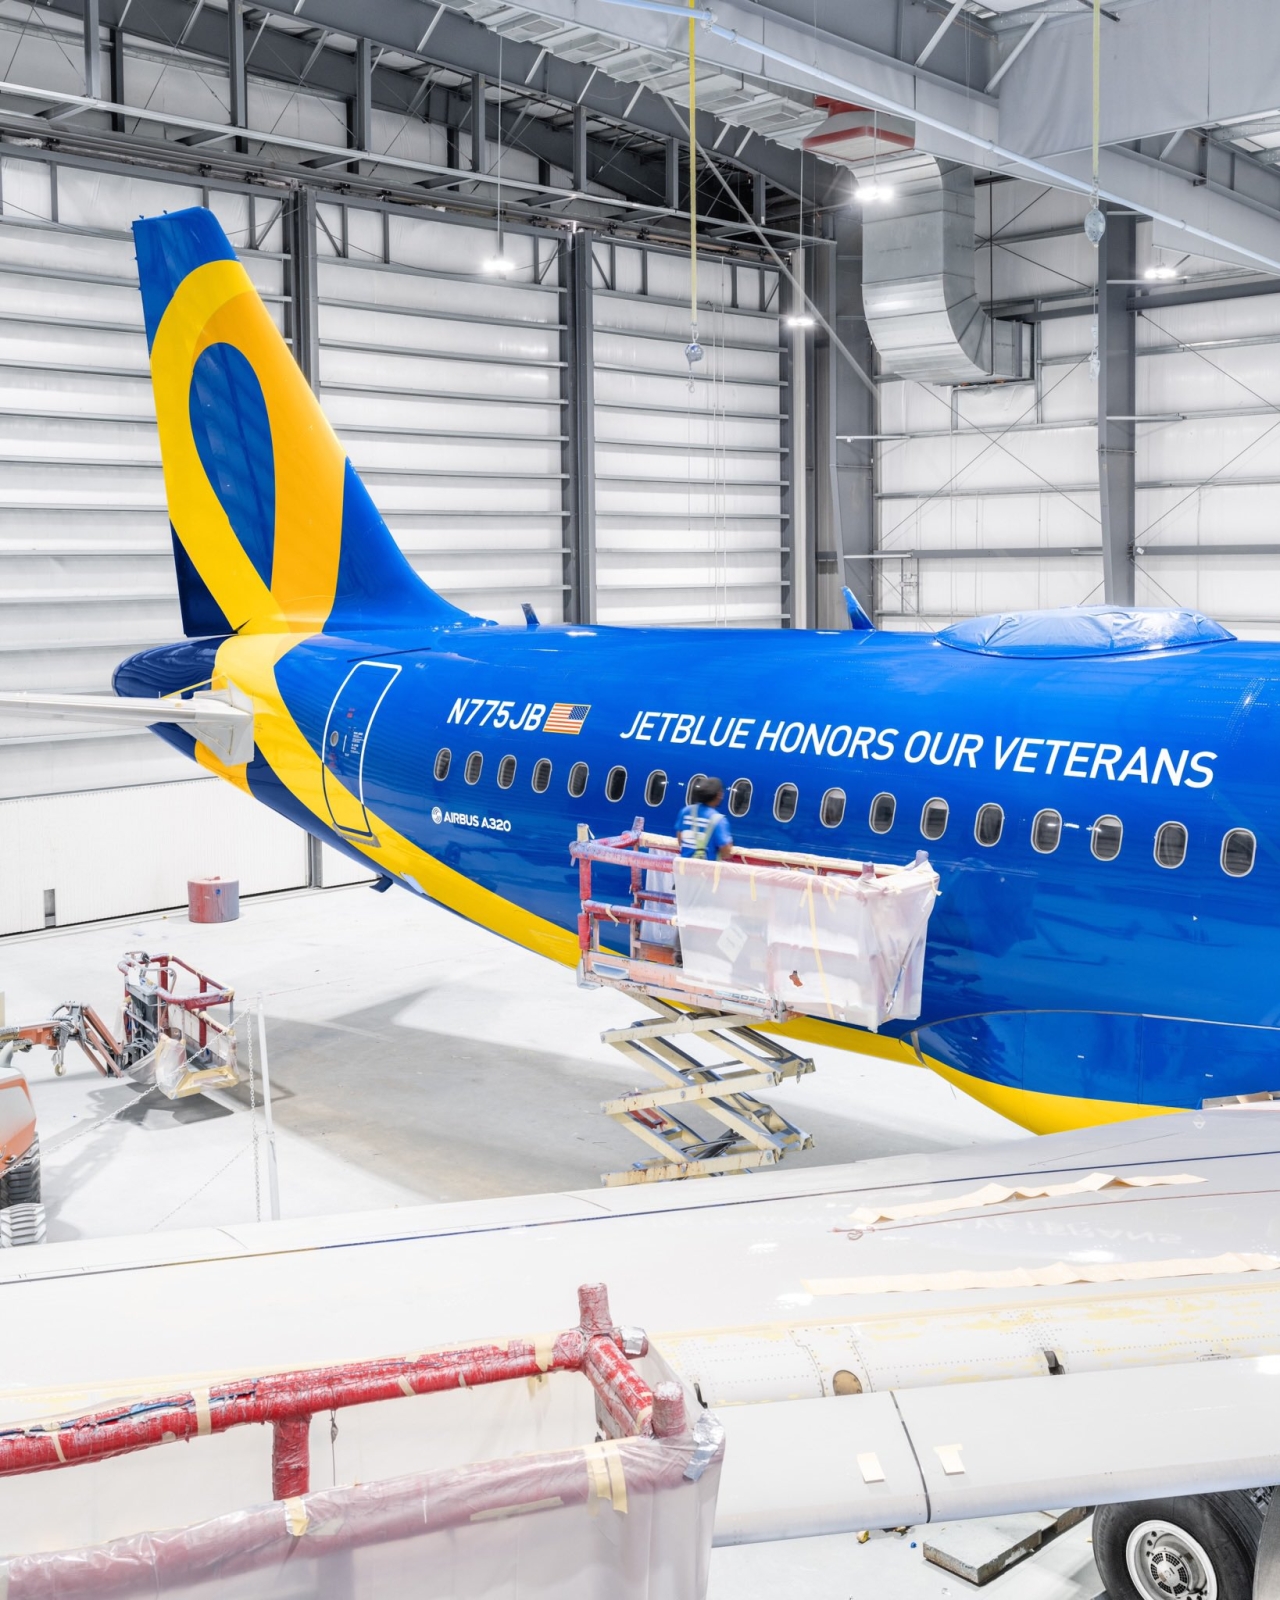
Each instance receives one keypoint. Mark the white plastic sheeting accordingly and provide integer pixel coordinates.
(850, 949)
(620, 1520)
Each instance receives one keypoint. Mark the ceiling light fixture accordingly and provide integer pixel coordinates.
(873, 191)
(799, 320)
(1161, 272)
(499, 264)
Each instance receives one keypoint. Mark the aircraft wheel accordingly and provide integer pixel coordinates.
(1195, 1547)
(21, 1184)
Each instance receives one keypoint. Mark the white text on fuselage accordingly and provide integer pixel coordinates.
(497, 714)
(1017, 752)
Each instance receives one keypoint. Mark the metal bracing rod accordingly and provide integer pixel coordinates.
(237, 64)
(1017, 50)
(936, 40)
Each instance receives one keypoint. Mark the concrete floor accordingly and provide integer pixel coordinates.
(413, 1056)
(416, 1057)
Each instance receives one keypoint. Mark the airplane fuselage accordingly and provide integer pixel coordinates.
(1077, 968)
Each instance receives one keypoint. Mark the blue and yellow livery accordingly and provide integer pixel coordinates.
(1097, 788)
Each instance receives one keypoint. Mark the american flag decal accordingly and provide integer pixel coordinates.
(564, 717)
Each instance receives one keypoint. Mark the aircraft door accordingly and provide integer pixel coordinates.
(347, 731)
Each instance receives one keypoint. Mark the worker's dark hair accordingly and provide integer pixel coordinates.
(708, 791)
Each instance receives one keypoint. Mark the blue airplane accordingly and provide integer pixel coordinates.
(1097, 787)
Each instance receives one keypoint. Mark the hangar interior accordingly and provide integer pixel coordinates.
(919, 377)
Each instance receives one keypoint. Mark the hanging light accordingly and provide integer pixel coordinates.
(871, 192)
(499, 264)
(800, 319)
(1161, 272)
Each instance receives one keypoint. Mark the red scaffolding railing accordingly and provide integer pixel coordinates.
(287, 1401)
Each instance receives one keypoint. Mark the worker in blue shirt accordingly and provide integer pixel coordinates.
(702, 828)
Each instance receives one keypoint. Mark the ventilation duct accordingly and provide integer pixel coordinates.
(918, 285)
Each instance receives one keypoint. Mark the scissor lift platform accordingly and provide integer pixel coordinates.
(717, 1013)
(751, 1134)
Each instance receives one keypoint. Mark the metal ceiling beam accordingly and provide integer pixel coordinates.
(293, 59)
(466, 47)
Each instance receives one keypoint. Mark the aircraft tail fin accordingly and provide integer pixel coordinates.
(273, 531)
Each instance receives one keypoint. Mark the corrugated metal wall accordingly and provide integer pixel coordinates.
(688, 481)
(443, 380)
(1017, 465)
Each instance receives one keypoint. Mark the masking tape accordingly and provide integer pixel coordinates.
(994, 1194)
(406, 1387)
(1053, 1276)
(543, 1350)
(604, 1466)
(204, 1420)
(949, 1456)
(295, 1517)
(496, 1513)
(57, 1444)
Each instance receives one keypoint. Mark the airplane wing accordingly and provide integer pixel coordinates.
(214, 720)
(1077, 1319)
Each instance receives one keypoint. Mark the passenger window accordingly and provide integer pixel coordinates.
(506, 772)
(615, 785)
(988, 825)
(1046, 832)
(1107, 835)
(578, 779)
(541, 776)
(933, 819)
(785, 801)
(655, 790)
(1171, 844)
(832, 809)
(691, 787)
(1238, 849)
(883, 809)
(739, 797)
(474, 767)
(443, 758)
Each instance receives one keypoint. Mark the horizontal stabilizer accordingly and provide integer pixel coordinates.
(224, 728)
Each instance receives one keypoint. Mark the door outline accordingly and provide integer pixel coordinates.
(365, 832)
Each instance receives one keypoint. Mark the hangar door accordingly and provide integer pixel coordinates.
(97, 821)
(689, 483)
(442, 377)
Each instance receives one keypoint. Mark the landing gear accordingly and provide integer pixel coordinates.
(1196, 1547)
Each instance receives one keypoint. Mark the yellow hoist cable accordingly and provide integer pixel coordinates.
(693, 350)
(693, 171)
(1097, 84)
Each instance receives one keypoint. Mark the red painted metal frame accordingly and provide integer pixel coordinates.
(288, 1400)
(643, 852)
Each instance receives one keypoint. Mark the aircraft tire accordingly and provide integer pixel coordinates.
(1187, 1548)
(21, 1183)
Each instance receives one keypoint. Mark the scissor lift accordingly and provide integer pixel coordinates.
(720, 1018)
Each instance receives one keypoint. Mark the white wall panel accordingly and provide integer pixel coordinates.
(86, 567)
(113, 852)
(443, 380)
(689, 523)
